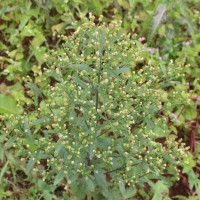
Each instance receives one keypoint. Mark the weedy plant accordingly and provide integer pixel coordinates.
(97, 129)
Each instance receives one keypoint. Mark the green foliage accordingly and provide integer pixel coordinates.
(99, 127)
(28, 29)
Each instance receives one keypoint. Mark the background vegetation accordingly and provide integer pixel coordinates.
(29, 29)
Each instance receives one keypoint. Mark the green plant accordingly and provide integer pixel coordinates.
(97, 126)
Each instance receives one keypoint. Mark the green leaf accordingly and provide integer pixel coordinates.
(128, 85)
(165, 84)
(2, 138)
(3, 170)
(124, 4)
(173, 128)
(39, 53)
(101, 179)
(112, 73)
(80, 82)
(41, 184)
(38, 40)
(92, 147)
(82, 67)
(47, 195)
(102, 39)
(162, 69)
(84, 94)
(30, 164)
(54, 75)
(79, 189)
(37, 92)
(58, 147)
(190, 113)
(130, 192)
(28, 30)
(179, 197)
(90, 185)
(149, 123)
(193, 179)
(39, 121)
(10, 142)
(190, 163)
(160, 189)
(27, 126)
(3, 10)
(24, 19)
(103, 142)
(122, 187)
(35, 89)
(58, 28)
(59, 177)
(122, 70)
(8, 104)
